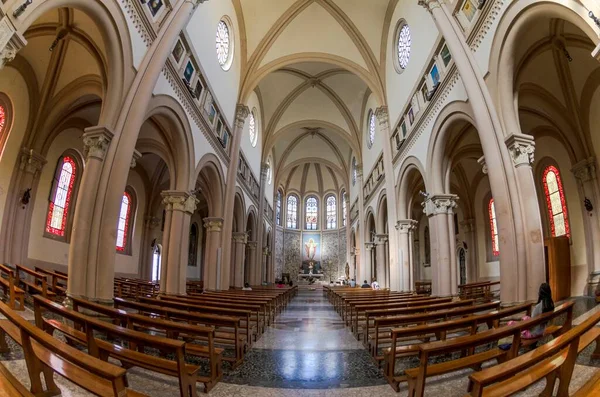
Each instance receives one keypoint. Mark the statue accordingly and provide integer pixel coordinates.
(347, 271)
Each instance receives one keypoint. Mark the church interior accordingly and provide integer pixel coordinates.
(299, 198)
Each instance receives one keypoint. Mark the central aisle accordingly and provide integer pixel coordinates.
(307, 347)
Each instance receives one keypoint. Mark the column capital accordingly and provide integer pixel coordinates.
(440, 204)
(175, 200)
(196, 3)
(522, 148)
(264, 169)
(405, 226)
(481, 162)
(213, 224)
(11, 41)
(369, 246)
(429, 5)
(381, 239)
(31, 161)
(136, 156)
(266, 251)
(382, 115)
(96, 141)
(252, 245)
(585, 170)
(240, 237)
(241, 114)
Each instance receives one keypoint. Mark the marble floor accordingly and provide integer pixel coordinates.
(308, 352)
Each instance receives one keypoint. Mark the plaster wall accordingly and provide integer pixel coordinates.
(138, 46)
(370, 155)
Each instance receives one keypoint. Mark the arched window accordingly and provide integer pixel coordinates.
(344, 209)
(2, 118)
(354, 171)
(252, 129)
(224, 44)
(278, 209)
(331, 212)
(493, 228)
(312, 211)
(193, 246)
(125, 222)
(5, 120)
(292, 212)
(555, 200)
(61, 196)
(427, 243)
(372, 128)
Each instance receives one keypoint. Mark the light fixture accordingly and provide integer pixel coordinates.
(594, 18)
(21, 9)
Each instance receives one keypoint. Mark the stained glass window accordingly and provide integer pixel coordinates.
(331, 212)
(344, 209)
(372, 127)
(354, 171)
(292, 212)
(555, 200)
(124, 222)
(312, 211)
(493, 228)
(60, 197)
(252, 130)
(404, 44)
(2, 118)
(278, 208)
(223, 44)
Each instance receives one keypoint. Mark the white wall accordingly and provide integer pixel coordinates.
(370, 155)
(253, 154)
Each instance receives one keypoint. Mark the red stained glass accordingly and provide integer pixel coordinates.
(493, 228)
(556, 203)
(124, 220)
(2, 118)
(58, 210)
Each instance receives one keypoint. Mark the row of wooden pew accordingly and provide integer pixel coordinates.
(18, 280)
(395, 325)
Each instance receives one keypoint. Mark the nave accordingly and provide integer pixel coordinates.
(310, 349)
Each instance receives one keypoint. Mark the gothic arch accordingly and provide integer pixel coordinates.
(209, 178)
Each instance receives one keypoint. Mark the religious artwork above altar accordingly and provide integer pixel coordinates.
(311, 253)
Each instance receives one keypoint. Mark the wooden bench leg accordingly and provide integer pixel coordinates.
(3, 345)
(596, 353)
(550, 382)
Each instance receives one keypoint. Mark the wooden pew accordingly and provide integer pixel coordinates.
(591, 387)
(10, 386)
(39, 283)
(553, 360)
(479, 290)
(47, 355)
(58, 284)
(416, 376)
(227, 333)
(423, 287)
(11, 288)
(349, 304)
(187, 374)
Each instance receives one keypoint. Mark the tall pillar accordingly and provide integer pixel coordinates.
(239, 242)
(250, 271)
(520, 234)
(150, 223)
(266, 252)
(181, 206)
(241, 113)
(365, 271)
(11, 41)
(261, 270)
(470, 231)
(395, 273)
(213, 261)
(585, 173)
(380, 248)
(367, 266)
(440, 210)
(405, 228)
(96, 141)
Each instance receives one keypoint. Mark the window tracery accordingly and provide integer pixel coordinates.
(331, 212)
(312, 211)
(224, 45)
(493, 228)
(344, 209)
(404, 46)
(292, 212)
(556, 203)
(60, 196)
(123, 225)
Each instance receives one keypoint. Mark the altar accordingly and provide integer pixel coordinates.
(307, 276)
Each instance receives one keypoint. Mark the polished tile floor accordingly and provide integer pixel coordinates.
(307, 352)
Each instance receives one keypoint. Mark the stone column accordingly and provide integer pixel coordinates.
(380, 247)
(250, 273)
(440, 209)
(260, 272)
(239, 241)
(368, 266)
(266, 252)
(365, 270)
(150, 223)
(212, 268)
(470, 230)
(11, 41)
(520, 245)
(241, 113)
(396, 275)
(96, 141)
(181, 206)
(585, 173)
(405, 228)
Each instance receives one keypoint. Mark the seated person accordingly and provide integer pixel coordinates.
(375, 285)
(246, 287)
(365, 285)
(291, 283)
(352, 283)
(280, 284)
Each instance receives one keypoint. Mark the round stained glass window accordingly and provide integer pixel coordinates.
(252, 130)
(372, 125)
(223, 43)
(2, 118)
(404, 42)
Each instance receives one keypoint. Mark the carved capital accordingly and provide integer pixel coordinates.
(212, 224)
(31, 162)
(136, 156)
(264, 170)
(179, 201)
(240, 237)
(241, 114)
(266, 251)
(11, 41)
(196, 3)
(430, 5)
(369, 246)
(522, 149)
(96, 141)
(252, 245)
(381, 239)
(483, 165)
(405, 226)
(382, 115)
(440, 204)
(585, 170)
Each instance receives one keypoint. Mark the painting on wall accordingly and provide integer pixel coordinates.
(155, 6)
(311, 253)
